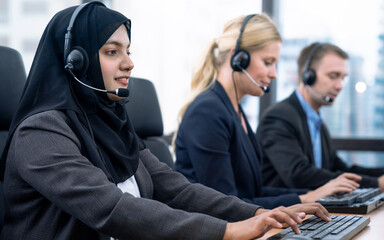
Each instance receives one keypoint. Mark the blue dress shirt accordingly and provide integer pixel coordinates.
(314, 124)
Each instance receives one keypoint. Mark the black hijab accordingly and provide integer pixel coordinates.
(103, 127)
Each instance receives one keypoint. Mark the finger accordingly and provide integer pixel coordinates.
(285, 216)
(342, 190)
(292, 216)
(321, 212)
(348, 184)
(285, 225)
(301, 215)
(265, 225)
(296, 229)
(270, 221)
(315, 209)
(352, 176)
(352, 183)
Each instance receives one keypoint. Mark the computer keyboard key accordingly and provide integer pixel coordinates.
(297, 237)
(342, 227)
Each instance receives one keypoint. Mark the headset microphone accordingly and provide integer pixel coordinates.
(264, 88)
(328, 99)
(121, 92)
(324, 98)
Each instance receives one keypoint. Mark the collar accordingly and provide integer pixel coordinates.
(309, 112)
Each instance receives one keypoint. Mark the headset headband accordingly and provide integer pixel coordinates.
(246, 19)
(68, 35)
(310, 56)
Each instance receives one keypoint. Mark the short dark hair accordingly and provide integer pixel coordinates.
(322, 49)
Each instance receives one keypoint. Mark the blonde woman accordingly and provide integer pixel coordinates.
(215, 145)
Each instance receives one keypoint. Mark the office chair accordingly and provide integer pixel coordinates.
(12, 81)
(144, 111)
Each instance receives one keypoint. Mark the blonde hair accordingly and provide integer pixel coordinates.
(258, 32)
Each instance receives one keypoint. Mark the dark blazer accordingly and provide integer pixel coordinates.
(288, 154)
(53, 192)
(212, 148)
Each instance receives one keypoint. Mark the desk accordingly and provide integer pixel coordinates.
(374, 230)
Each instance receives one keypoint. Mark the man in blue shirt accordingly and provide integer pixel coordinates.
(296, 144)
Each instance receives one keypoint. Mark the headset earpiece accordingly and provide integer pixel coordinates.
(76, 58)
(241, 59)
(309, 75)
(77, 61)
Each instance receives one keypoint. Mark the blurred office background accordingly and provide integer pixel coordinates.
(169, 36)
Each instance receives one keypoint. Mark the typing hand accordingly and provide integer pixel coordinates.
(258, 225)
(280, 217)
(346, 183)
(312, 208)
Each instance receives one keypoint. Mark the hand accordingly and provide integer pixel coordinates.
(258, 225)
(346, 182)
(380, 181)
(312, 208)
(264, 220)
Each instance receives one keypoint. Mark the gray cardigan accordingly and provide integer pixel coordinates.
(54, 192)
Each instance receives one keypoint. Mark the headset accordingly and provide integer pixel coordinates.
(76, 59)
(241, 59)
(309, 75)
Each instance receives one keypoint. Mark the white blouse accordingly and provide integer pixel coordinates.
(130, 186)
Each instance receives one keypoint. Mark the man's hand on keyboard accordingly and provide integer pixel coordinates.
(380, 181)
(346, 183)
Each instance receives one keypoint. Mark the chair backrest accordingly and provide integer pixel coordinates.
(12, 81)
(144, 111)
(2, 205)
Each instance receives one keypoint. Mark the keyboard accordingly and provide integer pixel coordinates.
(342, 227)
(360, 201)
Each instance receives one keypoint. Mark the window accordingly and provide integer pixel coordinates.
(4, 11)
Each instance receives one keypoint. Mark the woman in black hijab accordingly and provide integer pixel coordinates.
(73, 167)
